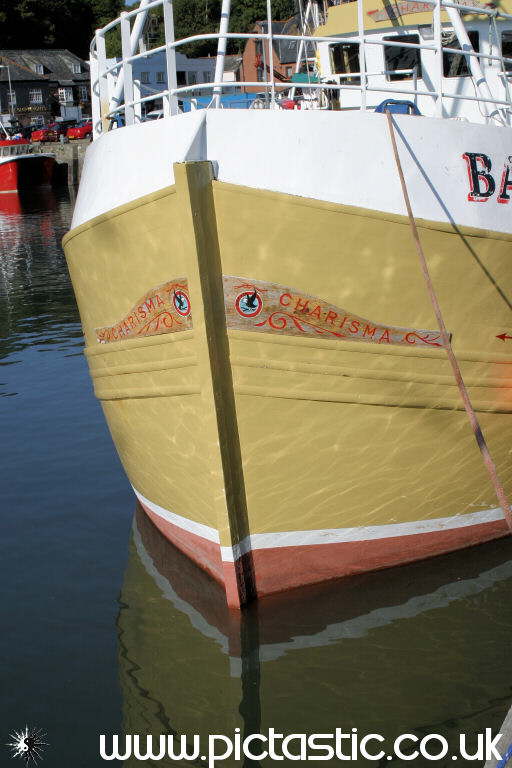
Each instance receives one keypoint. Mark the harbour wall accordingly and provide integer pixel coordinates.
(70, 159)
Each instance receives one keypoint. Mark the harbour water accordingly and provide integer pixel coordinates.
(107, 630)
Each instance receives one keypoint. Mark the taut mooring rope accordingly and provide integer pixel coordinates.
(477, 431)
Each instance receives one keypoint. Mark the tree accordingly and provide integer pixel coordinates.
(54, 23)
(195, 17)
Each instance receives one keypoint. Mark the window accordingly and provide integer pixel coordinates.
(83, 93)
(77, 68)
(207, 77)
(160, 77)
(344, 60)
(37, 120)
(396, 58)
(192, 79)
(289, 71)
(506, 48)
(65, 95)
(11, 98)
(455, 64)
(35, 96)
(39, 69)
(144, 77)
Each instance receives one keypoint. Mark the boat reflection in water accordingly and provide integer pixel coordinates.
(422, 650)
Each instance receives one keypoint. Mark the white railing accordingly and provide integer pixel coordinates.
(106, 107)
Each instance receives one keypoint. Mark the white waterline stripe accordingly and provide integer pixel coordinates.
(323, 536)
(199, 529)
(368, 533)
(361, 626)
(196, 619)
(358, 627)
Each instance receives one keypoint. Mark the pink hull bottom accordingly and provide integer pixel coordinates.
(276, 569)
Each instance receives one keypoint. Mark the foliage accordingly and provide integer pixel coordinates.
(193, 17)
(54, 23)
(71, 23)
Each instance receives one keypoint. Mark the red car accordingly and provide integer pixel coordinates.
(45, 133)
(81, 131)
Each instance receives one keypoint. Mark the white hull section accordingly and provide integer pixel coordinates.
(338, 157)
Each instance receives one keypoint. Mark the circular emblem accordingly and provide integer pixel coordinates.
(248, 304)
(181, 303)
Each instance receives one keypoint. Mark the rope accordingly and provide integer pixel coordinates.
(477, 431)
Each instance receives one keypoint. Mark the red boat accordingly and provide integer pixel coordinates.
(22, 168)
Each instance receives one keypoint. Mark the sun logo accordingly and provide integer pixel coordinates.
(28, 744)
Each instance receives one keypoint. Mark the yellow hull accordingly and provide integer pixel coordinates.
(295, 451)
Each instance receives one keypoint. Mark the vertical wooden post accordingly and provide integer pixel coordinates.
(200, 243)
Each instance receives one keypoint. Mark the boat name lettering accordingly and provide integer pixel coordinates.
(272, 308)
(165, 309)
(482, 183)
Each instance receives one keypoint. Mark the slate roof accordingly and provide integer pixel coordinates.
(57, 63)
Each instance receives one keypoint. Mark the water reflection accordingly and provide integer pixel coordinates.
(420, 649)
(36, 304)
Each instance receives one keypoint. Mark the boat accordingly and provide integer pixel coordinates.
(21, 168)
(408, 644)
(293, 364)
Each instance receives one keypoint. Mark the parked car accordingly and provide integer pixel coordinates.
(81, 130)
(44, 133)
(62, 126)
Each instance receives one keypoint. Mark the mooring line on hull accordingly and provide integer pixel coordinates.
(475, 425)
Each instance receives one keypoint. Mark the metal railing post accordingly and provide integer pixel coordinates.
(362, 52)
(137, 30)
(103, 106)
(221, 52)
(170, 104)
(129, 113)
(439, 71)
(270, 42)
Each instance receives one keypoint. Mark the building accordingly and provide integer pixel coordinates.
(40, 85)
(255, 65)
(150, 76)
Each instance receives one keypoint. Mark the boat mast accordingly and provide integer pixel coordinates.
(478, 76)
(136, 34)
(221, 51)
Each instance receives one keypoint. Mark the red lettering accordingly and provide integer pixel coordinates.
(141, 311)
(331, 317)
(282, 301)
(315, 312)
(354, 326)
(159, 300)
(369, 331)
(132, 321)
(343, 321)
(150, 305)
(301, 305)
(385, 337)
